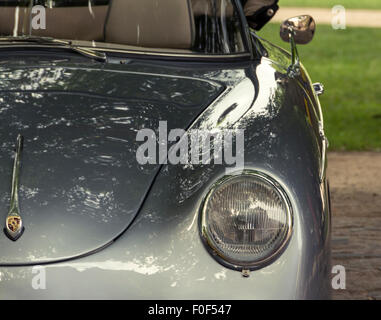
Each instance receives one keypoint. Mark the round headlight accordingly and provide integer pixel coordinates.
(246, 220)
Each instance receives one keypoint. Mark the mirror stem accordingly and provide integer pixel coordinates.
(294, 68)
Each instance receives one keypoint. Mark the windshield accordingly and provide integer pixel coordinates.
(210, 27)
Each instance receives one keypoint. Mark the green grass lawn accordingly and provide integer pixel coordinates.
(349, 4)
(348, 63)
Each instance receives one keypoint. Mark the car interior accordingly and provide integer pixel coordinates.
(209, 26)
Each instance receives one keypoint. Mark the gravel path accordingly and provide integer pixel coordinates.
(355, 180)
(354, 18)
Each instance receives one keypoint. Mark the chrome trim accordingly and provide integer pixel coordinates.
(13, 223)
(239, 266)
(319, 88)
(88, 52)
(143, 53)
(245, 28)
(323, 159)
(179, 55)
(324, 147)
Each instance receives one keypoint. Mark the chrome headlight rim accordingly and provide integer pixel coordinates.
(215, 253)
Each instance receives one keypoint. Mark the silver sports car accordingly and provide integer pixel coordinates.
(159, 149)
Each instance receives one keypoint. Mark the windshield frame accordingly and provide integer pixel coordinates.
(114, 48)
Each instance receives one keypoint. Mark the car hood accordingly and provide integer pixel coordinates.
(80, 183)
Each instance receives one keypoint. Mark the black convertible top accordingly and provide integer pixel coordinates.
(259, 12)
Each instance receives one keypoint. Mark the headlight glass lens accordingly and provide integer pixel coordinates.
(246, 219)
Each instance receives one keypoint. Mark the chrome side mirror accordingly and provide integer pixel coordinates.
(302, 28)
(297, 30)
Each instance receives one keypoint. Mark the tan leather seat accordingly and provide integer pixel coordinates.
(151, 23)
(11, 21)
(76, 23)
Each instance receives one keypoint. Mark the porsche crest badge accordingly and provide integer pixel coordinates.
(14, 227)
(14, 223)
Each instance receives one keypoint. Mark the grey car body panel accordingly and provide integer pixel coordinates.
(161, 255)
(81, 185)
